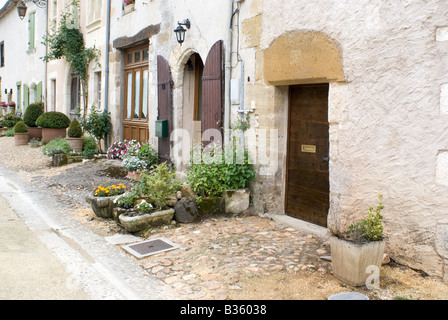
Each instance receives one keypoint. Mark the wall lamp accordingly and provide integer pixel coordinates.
(21, 7)
(180, 31)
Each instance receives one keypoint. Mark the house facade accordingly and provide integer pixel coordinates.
(345, 99)
(22, 72)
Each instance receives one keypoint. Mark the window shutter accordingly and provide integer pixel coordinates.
(31, 30)
(165, 105)
(212, 90)
(26, 96)
(39, 91)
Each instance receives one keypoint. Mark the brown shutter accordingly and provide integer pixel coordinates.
(165, 104)
(212, 90)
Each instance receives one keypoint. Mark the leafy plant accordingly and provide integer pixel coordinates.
(145, 207)
(159, 184)
(89, 146)
(149, 154)
(97, 124)
(74, 129)
(133, 163)
(371, 228)
(33, 112)
(68, 42)
(10, 132)
(55, 146)
(20, 127)
(53, 119)
(9, 120)
(242, 123)
(119, 149)
(217, 171)
(126, 200)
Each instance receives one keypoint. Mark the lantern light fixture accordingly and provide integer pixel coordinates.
(180, 31)
(21, 7)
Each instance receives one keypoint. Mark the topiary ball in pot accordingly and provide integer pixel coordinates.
(54, 124)
(20, 134)
(30, 116)
(75, 139)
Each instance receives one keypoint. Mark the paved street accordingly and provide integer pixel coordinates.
(46, 254)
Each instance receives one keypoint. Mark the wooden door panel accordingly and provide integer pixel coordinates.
(307, 185)
(165, 105)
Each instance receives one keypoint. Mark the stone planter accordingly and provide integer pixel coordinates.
(35, 133)
(49, 134)
(350, 260)
(102, 206)
(4, 111)
(75, 144)
(211, 205)
(144, 221)
(236, 201)
(21, 139)
(3, 131)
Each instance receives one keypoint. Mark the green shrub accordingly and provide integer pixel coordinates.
(9, 120)
(89, 147)
(149, 154)
(74, 129)
(97, 124)
(20, 127)
(53, 119)
(217, 171)
(33, 112)
(55, 146)
(371, 228)
(9, 133)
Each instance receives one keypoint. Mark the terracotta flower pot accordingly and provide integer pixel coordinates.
(75, 144)
(35, 133)
(21, 139)
(49, 134)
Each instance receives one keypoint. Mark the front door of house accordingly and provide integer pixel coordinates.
(307, 182)
(135, 112)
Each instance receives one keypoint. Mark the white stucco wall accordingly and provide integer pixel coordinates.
(22, 64)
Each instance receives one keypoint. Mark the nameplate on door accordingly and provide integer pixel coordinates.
(308, 148)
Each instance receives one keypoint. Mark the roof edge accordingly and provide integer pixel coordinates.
(9, 5)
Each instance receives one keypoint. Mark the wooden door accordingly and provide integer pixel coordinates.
(165, 105)
(135, 117)
(307, 183)
(212, 91)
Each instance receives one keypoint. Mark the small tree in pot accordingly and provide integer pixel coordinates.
(360, 251)
(21, 134)
(75, 139)
(54, 124)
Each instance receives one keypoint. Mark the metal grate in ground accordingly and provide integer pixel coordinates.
(150, 247)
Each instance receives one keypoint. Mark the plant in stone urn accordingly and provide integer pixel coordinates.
(103, 198)
(74, 136)
(354, 253)
(20, 134)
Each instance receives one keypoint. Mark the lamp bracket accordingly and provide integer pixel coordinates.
(186, 23)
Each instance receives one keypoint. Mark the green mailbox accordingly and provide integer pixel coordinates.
(162, 128)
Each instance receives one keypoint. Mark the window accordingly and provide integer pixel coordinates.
(53, 13)
(93, 10)
(53, 94)
(97, 101)
(31, 30)
(75, 93)
(2, 54)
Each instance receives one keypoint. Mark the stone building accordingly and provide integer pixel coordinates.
(22, 72)
(346, 100)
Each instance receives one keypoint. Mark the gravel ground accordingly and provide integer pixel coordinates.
(246, 257)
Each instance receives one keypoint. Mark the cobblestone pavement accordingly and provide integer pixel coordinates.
(219, 252)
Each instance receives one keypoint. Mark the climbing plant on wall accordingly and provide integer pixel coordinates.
(67, 42)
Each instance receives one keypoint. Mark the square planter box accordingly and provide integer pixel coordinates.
(350, 260)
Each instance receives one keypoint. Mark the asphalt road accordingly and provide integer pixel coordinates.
(47, 254)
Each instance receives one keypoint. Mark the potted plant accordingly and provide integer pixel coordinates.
(103, 199)
(74, 136)
(128, 6)
(54, 124)
(11, 107)
(3, 107)
(30, 116)
(156, 187)
(20, 134)
(354, 252)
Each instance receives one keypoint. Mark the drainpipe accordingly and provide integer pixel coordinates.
(106, 77)
(45, 89)
(227, 76)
